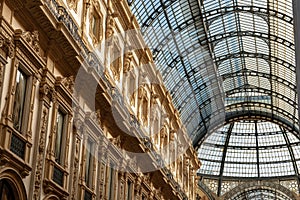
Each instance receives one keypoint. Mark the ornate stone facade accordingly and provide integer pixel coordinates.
(87, 128)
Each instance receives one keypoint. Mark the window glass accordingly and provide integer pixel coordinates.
(19, 100)
(88, 163)
(129, 184)
(111, 182)
(94, 24)
(59, 134)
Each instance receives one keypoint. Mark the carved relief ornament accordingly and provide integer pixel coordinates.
(110, 23)
(67, 82)
(127, 62)
(8, 46)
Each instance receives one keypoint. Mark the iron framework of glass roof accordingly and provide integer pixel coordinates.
(228, 63)
(223, 58)
(258, 194)
(249, 150)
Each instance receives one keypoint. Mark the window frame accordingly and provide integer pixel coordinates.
(129, 189)
(63, 135)
(27, 98)
(96, 16)
(57, 173)
(88, 177)
(20, 139)
(111, 180)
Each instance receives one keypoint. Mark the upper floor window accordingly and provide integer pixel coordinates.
(95, 26)
(89, 163)
(19, 100)
(111, 182)
(60, 120)
(129, 189)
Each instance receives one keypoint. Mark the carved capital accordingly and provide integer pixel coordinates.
(32, 38)
(146, 178)
(127, 62)
(67, 82)
(116, 141)
(110, 23)
(44, 90)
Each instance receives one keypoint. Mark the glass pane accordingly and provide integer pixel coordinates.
(111, 182)
(129, 190)
(88, 163)
(59, 135)
(19, 100)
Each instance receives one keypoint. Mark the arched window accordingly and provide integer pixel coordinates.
(6, 191)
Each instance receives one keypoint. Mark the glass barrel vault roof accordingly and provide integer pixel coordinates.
(254, 149)
(223, 59)
(250, 150)
(230, 68)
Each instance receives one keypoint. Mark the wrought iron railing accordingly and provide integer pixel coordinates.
(88, 195)
(17, 146)
(58, 176)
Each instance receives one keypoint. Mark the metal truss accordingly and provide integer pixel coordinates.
(250, 88)
(267, 58)
(215, 39)
(265, 13)
(271, 77)
(261, 193)
(197, 18)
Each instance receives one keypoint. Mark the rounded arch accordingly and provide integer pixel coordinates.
(259, 185)
(250, 115)
(51, 197)
(15, 182)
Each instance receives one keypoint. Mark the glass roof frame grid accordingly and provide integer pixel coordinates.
(260, 193)
(223, 159)
(292, 156)
(241, 45)
(218, 13)
(179, 60)
(262, 129)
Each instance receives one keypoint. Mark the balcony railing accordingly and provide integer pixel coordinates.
(87, 195)
(17, 146)
(58, 176)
